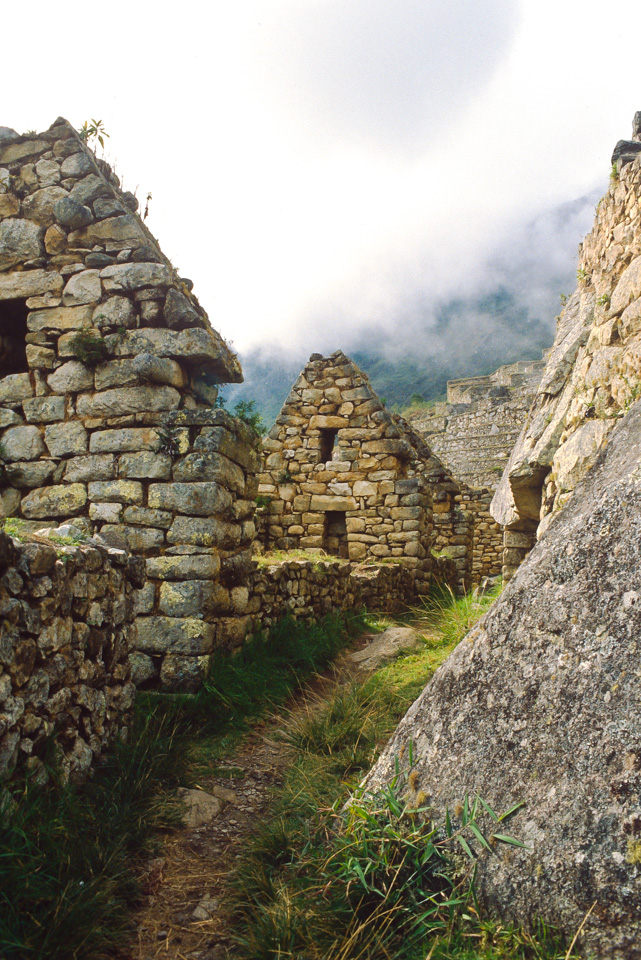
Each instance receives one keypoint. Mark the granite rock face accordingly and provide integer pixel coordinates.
(540, 704)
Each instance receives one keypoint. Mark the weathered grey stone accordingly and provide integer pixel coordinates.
(71, 213)
(322, 503)
(64, 439)
(184, 598)
(15, 388)
(146, 465)
(135, 539)
(144, 516)
(48, 172)
(44, 409)
(108, 207)
(116, 403)
(115, 312)
(539, 704)
(385, 647)
(18, 151)
(142, 667)
(179, 312)
(200, 807)
(194, 346)
(174, 634)
(134, 276)
(60, 318)
(56, 501)
(116, 491)
(77, 165)
(9, 418)
(22, 443)
(40, 206)
(40, 358)
(159, 370)
(194, 567)
(25, 476)
(89, 189)
(9, 205)
(573, 459)
(204, 532)
(71, 377)
(127, 227)
(82, 288)
(126, 439)
(30, 283)
(20, 240)
(83, 469)
(202, 466)
(195, 499)
(116, 373)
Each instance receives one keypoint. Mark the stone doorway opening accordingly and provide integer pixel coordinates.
(13, 333)
(335, 534)
(328, 439)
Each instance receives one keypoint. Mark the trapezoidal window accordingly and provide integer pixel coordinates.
(328, 440)
(335, 534)
(13, 332)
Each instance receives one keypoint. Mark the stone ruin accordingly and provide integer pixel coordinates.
(108, 372)
(345, 476)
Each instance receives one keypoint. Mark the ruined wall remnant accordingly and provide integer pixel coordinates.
(345, 476)
(108, 372)
(474, 431)
(64, 650)
(593, 371)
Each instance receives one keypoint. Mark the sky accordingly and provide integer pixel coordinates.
(315, 165)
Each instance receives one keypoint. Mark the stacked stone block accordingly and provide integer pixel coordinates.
(108, 373)
(65, 634)
(344, 476)
(593, 370)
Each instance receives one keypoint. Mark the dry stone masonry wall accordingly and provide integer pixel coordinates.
(474, 431)
(344, 476)
(593, 372)
(108, 372)
(66, 622)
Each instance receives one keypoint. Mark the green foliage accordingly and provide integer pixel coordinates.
(614, 174)
(452, 616)
(66, 879)
(377, 877)
(89, 348)
(169, 440)
(604, 301)
(266, 670)
(564, 298)
(262, 502)
(582, 276)
(93, 130)
(246, 411)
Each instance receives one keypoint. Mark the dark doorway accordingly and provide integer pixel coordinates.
(327, 443)
(335, 534)
(13, 331)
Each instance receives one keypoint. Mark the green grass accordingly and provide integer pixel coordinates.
(66, 852)
(376, 879)
(69, 854)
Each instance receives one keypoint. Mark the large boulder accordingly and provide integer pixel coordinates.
(541, 704)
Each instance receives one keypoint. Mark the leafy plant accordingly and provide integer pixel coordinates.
(262, 502)
(169, 440)
(614, 173)
(89, 348)
(93, 130)
(582, 275)
(246, 411)
(604, 301)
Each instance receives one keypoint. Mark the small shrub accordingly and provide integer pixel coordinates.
(89, 348)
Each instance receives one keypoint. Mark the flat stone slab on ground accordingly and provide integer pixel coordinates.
(201, 807)
(384, 647)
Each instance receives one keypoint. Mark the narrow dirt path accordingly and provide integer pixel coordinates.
(182, 917)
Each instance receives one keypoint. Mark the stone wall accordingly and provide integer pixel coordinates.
(474, 431)
(345, 476)
(593, 372)
(64, 650)
(310, 589)
(108, 373)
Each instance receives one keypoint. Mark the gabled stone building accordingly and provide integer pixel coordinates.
(344, 475)
(108, 373)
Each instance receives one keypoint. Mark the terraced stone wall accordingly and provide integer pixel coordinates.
(65, 636)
